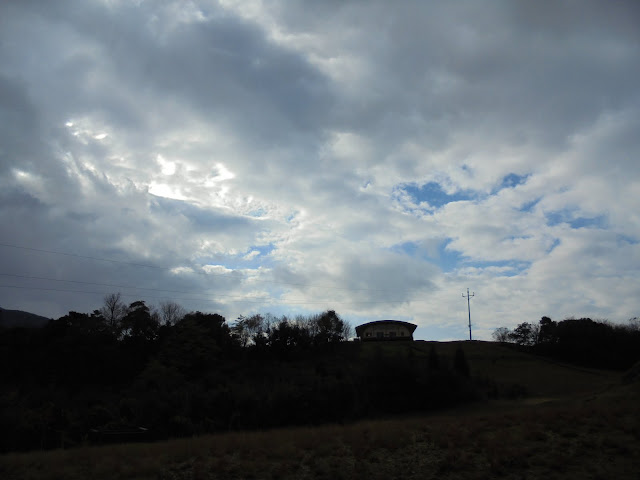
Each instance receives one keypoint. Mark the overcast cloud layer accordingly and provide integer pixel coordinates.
(376, 158)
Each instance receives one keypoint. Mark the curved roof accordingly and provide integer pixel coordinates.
(408, 325)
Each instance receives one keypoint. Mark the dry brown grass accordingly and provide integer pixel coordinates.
(580, 439)
(590, 434)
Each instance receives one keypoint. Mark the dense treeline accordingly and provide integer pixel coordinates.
(584, 341)
(94, 377)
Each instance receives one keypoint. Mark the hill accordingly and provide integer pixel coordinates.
(534, 376)
(19, 318)
(561, 422)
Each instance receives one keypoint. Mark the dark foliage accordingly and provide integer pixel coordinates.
(583, 341)
(99, 377)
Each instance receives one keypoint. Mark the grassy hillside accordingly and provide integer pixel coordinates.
(539, 376)
(506, 366)
(575, 423)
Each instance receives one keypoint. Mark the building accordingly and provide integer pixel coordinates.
(386, 330)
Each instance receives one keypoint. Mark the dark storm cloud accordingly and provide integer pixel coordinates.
(224, 68)
(521, 71)
(19, 121)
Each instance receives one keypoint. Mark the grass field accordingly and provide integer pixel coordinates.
(574, 423)
(540, 376)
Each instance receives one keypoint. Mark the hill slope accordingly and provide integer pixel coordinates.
(539, 376)
(510, 369)
(19, 318)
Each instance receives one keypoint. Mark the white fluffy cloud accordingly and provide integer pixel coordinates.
(372, 158)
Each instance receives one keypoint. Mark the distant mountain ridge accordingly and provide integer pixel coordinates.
(19, 318)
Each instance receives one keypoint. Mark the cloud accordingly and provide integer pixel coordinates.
(370, 158)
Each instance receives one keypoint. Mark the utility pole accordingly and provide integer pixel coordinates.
(469, 308)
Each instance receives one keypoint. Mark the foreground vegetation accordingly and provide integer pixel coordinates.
(592, 343)
(290, 398)
(85, 379)
(595, 436)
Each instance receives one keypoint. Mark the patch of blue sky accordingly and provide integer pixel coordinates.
(258, 213)
(512, 180)
(408, 248)
(291, 217)
(445, 258)
(450, 260)
(528, 207)
(586, 222)
(626, 240)
(433, 194)
(567, 217)
(553, 246)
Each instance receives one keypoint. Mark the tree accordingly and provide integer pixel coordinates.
(248, 329)
(286, 336)
(212, 327)
(196, 343)
(547, 331)
(524, 334)
(139, 323)
(633, 324)
(113, 310)
(171, 313)
(501, 334)
(328, 327)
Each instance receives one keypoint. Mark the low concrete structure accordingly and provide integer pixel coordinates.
(385, 330)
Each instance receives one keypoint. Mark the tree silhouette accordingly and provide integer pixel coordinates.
(113, 310)
(249, 330)
(524, 334)
(501, 334)
(171, 313)
(139, 323)
(328, 327)
(547, 333)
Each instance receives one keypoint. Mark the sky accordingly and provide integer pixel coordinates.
(289, 157)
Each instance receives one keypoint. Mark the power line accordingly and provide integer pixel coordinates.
(83, 256)
(110, 285)
(30, 277)
(275, 282)
(238, 298)
(65, 290)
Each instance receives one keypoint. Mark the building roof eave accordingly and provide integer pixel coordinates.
(410, 326)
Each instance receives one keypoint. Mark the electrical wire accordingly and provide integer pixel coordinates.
(238, 298)
(275, 282)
